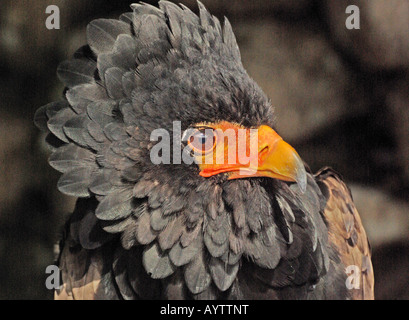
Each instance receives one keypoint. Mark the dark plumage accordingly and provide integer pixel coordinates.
(142, 230)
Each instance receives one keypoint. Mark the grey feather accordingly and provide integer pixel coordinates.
(118, 225)
(102, 112)
(171, 234)
(91, 235)
(211, 293)
(285, 209)
(90, 141)
(151, 29)
(190, 16)
(157, 264)
(116, 205)
(180, 255)
(113, 82)
(214, 249)
(295, 248)
(128, 238)
(206, 19)
(96, 132)
(174, 14)
(75, 128)
(157, 220)
(220, 235)
(123, 55)
(76, 71)
(154, 200)
(143, 188)
(144, 232)
(190, 235)
(173, 204)
(102, 34)
(40, 118)
(115, 131)
(101, 184)
(145, 8)
(75, 182)
(119, 269)
(239, 214)
(128, 83)
(58, 114)
(131, 174)
(197, 275)
(264, 256)
(142, 284)
(231, 257)
(282, 276)
(236, 243)
(222, 273)
(81, 96)
(71, 156)
(230, 40)
(126, 17)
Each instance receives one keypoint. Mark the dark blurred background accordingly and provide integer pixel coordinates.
(341, 97)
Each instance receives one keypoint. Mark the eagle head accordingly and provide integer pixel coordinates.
(172, 146)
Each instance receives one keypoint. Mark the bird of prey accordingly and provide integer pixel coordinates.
(145, 229)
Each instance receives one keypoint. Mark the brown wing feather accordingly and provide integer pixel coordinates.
(85, 275)
(346, 232)
(81, 274)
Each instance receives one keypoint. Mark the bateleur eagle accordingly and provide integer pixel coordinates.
(152, 230)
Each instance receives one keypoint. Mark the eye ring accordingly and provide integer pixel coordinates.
(202, 140)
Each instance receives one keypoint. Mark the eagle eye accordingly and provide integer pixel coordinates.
(202, 140)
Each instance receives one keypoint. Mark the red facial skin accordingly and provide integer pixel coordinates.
(266, 154)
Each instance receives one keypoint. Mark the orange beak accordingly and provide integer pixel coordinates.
(258, 153)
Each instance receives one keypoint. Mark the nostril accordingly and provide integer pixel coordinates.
(263, 152)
